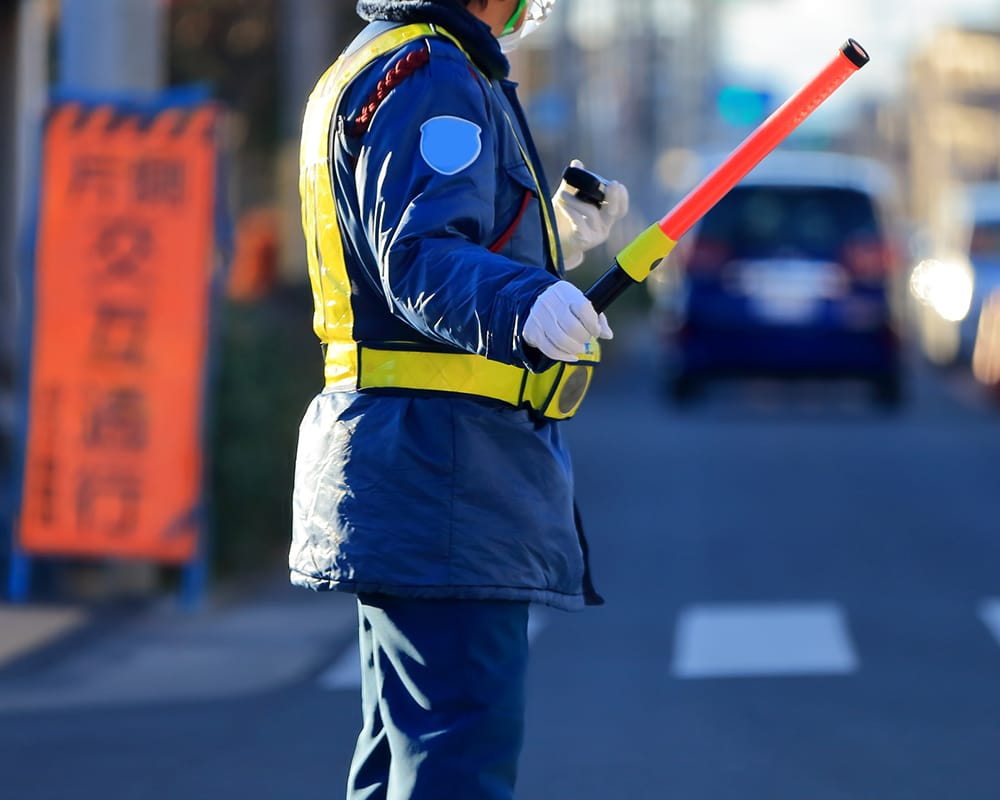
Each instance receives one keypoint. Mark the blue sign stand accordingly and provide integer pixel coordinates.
(18, 576)
(19, 567)
(194, 578)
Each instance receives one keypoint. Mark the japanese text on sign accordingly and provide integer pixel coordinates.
(113, 463)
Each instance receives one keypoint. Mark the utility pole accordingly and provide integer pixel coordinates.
(23, 80)
(112, 45)
(8, 225)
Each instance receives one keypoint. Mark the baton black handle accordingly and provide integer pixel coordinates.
(609, 287)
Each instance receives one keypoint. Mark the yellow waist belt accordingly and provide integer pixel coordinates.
(555, 393)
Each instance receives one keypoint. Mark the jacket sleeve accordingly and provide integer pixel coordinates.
(430, 232)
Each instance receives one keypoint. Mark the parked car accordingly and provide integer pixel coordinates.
(959, 271)
(796, 272)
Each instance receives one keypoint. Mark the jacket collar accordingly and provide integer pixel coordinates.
(475, 35)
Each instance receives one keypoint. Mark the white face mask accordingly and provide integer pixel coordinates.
(537, 12)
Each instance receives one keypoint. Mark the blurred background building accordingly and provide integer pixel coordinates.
(952, 122)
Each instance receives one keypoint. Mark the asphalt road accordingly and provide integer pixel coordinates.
(803, 604)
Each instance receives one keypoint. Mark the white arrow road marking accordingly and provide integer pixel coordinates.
(737, 640)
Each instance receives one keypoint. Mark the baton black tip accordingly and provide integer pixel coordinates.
(855, 53)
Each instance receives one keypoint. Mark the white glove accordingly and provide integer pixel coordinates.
(562, 321)
(583, 226)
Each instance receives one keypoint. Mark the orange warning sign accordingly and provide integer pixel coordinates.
(123, 266)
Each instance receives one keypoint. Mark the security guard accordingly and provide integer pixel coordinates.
(432, 479)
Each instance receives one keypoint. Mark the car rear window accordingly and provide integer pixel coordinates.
(787, 222)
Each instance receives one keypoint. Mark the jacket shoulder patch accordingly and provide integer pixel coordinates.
(450, 144)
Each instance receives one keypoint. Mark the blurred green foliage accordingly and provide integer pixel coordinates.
(230, 45)
(269, 368)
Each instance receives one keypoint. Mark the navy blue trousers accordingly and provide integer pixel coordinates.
(442, 696)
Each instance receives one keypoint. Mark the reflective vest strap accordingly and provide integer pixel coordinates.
(455, 373)
(555, 393)
(550, 230)
(333, 318)
(354, 63)
(326, 96)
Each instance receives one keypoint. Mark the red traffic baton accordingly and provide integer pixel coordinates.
(634, 264)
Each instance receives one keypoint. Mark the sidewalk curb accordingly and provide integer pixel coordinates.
(94, 624)
(251, 636)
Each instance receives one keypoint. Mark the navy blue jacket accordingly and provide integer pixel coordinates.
(438, 496)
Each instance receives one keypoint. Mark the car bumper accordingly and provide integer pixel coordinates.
(782, 352)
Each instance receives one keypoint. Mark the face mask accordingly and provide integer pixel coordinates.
(538, 12)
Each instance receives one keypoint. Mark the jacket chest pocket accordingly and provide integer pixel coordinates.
(520, 232)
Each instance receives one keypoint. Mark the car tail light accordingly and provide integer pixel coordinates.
(868, 258)
(706, 256)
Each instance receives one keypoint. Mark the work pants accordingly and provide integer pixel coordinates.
(442, 696)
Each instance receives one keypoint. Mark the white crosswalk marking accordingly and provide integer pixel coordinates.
(345, 673)
(989, 613)
(729, 641)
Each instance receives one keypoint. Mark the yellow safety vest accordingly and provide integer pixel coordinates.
(555, 393)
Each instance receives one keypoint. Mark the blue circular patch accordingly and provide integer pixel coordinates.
(450, 144)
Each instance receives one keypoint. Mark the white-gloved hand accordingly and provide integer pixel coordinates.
(562, 321)
(583, 226)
